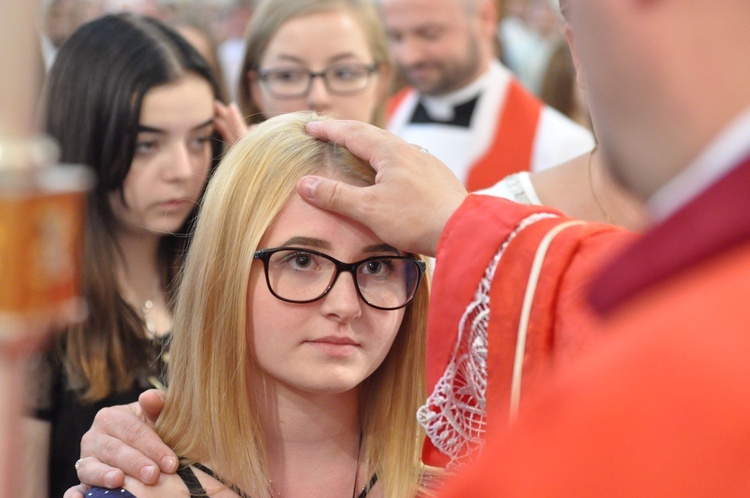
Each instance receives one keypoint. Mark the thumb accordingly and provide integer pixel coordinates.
(332, 195)
(152, 403)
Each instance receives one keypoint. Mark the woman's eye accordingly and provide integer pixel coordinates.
(373, 266)
(287, 76)
(298, 261)
(302, 260)
(200, 143)
(379, 267)
(344, 73)
(145, 146)
(350, 73)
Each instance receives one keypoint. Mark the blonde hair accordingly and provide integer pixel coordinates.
(270, 15)
(211, 411)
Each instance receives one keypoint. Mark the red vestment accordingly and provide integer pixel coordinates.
(471, 374)
(512, 144)
(488, 129)
(661, 407)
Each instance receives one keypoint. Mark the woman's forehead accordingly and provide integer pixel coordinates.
(336, 33)
(301, 219)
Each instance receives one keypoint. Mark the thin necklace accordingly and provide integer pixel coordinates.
(145, 309)
(274, 491)
(591, 184)
(153, 379)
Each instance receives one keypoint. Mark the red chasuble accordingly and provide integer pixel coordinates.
(536, 314)
(661, 406)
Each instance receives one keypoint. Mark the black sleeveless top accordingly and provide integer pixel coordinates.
(52, 398)
(196, 490)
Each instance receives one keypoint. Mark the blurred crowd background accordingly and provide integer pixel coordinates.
(530, 39)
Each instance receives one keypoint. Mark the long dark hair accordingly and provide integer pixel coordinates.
(93, 97)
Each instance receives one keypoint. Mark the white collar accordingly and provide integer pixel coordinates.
(725, 151)
(441, 106)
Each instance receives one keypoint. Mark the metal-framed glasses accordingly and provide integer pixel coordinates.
(299, 275)
(341, 79)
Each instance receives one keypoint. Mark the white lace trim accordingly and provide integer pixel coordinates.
(454, 415)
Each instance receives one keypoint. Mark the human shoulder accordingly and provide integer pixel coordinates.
(171, 485)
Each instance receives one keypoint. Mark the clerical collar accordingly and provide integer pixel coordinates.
(726, 151)
(462, 114)
(441, 107)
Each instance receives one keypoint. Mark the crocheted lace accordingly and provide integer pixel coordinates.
(454, 415)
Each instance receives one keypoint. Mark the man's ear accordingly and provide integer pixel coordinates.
(570, 37)
(488, 18)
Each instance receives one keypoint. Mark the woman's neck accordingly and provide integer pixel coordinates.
(139, 279)
(313, 443)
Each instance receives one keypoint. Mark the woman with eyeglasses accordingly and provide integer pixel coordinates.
(297, 361)
(328, 56)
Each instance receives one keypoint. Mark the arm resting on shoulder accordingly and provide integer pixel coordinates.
(122, 441)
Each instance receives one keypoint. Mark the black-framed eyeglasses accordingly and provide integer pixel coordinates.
(299, 275)
(294, 82)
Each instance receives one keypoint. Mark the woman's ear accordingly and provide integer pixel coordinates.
(254, 87)
(385, 75)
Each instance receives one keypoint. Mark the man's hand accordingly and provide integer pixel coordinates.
(414, 193)
(122, 441)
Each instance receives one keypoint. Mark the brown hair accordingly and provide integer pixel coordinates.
(93, 100)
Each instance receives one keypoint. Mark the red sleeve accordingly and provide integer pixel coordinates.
(469, 241)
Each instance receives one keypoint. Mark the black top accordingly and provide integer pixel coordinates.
(194, 486)
(196, 490)
(56, 402)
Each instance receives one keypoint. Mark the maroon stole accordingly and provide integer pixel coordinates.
(716, 220)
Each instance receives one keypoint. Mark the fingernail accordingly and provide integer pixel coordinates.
(169, 463)
(147, 473)
(308, 187)
(109, 478)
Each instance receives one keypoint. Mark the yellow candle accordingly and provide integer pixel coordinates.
(19, 64)
(18, 59)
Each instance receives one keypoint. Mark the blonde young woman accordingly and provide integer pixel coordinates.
(328, 56)
(292, 374)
